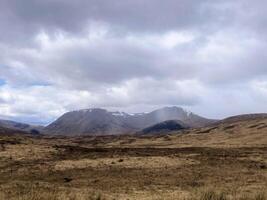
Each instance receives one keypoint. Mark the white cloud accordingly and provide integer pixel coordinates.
(48, 102)
(208, 56)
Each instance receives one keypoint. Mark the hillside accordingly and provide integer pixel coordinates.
(244, 117)
(9, 131)
(20, 126)
(164, 127)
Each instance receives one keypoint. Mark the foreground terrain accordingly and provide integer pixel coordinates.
(224, 161)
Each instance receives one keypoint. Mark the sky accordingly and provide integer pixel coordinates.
(208, 56)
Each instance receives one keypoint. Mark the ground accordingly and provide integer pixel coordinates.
(227, 161)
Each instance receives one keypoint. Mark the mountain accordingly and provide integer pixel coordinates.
(89, 121)
(164, 127)
(20, 126)
(168, 113)
(102, 122)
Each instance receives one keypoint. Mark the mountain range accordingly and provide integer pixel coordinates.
(102, 122)
(97, 121)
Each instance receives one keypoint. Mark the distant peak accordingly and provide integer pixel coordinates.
(118, 113)
(188, 113)
(174, 108)
(91, 110)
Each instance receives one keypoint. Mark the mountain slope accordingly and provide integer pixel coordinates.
(91, 121)
(164, 127)
(101, 122)
(171, 113)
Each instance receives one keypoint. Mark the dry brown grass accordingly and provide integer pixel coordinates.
(153, 162)
(231, 159)
(36, 193)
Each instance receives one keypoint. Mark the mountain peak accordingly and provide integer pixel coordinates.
(91, 110)
(176, 108)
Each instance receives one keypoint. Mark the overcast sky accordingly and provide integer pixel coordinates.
(209, 56)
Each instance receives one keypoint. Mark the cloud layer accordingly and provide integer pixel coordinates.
(56, 56)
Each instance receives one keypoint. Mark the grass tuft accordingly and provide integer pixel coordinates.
(212, 195)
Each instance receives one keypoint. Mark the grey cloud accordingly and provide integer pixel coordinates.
(23, 19)
(111, 61)
(114, 60)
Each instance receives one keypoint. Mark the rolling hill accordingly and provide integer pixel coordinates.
(9, 131)
(20, 126)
